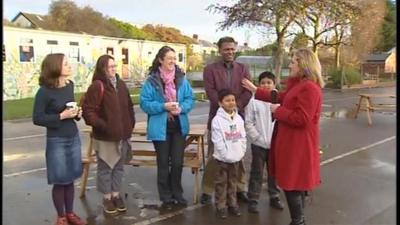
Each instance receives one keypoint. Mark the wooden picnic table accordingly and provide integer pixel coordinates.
(193, 156)
(368, 103)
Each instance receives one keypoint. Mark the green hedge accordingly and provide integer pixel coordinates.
(352, 76)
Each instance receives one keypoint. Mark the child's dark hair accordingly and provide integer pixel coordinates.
(223, 93)
(267, 74)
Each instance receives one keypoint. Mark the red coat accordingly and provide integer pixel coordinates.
(295, 158)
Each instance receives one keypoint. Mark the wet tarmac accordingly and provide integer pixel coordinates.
(358, 177)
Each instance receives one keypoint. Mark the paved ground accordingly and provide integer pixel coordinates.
(358, 175)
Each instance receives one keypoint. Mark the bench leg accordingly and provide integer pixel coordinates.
(84, 179)
(196, 186)
(369, 105)
(369, 117)
(358, 108)
(86, 168)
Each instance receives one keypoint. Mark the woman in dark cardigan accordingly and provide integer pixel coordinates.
(63, 145)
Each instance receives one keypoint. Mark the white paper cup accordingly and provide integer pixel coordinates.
(72, 105)
(175, 104)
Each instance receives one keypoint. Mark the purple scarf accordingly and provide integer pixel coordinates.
(170, 89)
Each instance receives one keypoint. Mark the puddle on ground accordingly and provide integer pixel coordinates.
(339, 114)
(350, 113)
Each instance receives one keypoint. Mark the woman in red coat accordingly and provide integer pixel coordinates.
(295, 159)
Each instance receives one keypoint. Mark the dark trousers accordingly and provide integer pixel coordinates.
(296, 204)
(258, 162)
(169, 166)
(225, 184)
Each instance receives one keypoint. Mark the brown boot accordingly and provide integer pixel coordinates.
(119, 203)
(109, 206)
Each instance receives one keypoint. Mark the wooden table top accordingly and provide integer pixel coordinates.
(195, 129)
(378, 95)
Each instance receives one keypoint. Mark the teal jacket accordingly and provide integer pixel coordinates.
(152, 102)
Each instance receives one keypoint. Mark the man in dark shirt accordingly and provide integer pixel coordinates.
(226, 73)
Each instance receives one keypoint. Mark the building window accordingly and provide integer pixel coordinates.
(52, 42)
(26, 53)
(74, 54)
(110, 51)
(4, 53)
(180, 57)
(125, 59)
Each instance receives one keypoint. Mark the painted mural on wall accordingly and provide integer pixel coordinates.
(25, 49)
(21, 80)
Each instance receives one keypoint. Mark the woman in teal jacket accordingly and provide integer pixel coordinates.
(167, 98)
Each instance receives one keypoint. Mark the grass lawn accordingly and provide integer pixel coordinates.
(23, 108)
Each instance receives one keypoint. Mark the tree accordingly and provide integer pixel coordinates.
(168, 34)
(277, 15)
(61, 14)
(65, 15)
(323, 18)
(266, 50)
(131, 31)
(6, 22)
(388, 31)
(172, 35)
(195, 62)
(365, 33)
(300, 41)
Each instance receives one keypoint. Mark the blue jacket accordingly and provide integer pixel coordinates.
(152, 102)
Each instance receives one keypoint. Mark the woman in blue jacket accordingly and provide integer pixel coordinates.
(167, 98)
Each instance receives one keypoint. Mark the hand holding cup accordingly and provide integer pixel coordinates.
(70, 111)
(170, 106)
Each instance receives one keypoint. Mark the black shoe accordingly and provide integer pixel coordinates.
(181, 202)
(301, 222)
(222, 213)
(167, 205)
(234, 210)
(205, 199)
(253, 207)
(276, 203)
(242, 196)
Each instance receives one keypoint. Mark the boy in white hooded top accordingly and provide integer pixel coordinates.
(229, 138)
(259, 128)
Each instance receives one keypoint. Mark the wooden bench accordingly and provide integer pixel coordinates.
(193, 156)
(365, 103)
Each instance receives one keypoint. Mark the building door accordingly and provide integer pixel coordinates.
(125, 63)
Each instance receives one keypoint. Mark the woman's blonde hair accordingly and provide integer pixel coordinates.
(309, 65)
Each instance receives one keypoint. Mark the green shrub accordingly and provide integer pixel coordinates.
(352, 76)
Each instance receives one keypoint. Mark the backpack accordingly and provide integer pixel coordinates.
(82, 100)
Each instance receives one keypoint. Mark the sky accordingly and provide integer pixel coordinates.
(189, 16)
